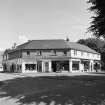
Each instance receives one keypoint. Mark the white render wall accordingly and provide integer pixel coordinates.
(70, 53)
(85, 55)
(49, 65)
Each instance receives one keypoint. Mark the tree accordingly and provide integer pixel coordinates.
(93, 43)
(98, 22)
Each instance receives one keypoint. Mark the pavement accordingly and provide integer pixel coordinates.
(8, 76)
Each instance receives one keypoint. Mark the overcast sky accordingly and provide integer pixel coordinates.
(22, 20)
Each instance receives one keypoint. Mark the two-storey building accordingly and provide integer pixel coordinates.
(51, 56)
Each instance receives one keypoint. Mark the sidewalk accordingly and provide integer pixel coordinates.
(7, 76)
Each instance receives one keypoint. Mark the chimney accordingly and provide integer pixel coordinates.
(67, 39)
(29, 40)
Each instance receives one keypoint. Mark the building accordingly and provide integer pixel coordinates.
(51, 56)
(1, 57)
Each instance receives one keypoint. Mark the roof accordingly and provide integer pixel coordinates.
(44, 44)
(54, 44)
(80, 47)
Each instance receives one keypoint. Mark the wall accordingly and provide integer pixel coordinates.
(33, 54)
(16, 62)
(85, 55)
(12, 55)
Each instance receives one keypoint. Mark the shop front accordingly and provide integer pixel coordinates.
(97, 66)
(85, 65)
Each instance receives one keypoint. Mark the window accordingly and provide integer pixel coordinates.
(75, 52)
(6, 57)
(97, 66)
(82, 53)
(28, 53)
(75, 65)
(46, 66)
(86, 65)
(93, 55)
(38, 52)
(30, 66)
(19, 66)
(88, 54)
(98, 56)
(39, 66)
(53, 52)
(65, 52)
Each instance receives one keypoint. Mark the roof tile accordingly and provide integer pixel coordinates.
(54, 44)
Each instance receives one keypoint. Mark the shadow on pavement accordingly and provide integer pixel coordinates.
(62, 90)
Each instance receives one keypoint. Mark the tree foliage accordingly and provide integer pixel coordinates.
(94, 43)
(98, 20)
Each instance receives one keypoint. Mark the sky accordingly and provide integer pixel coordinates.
(22, 20)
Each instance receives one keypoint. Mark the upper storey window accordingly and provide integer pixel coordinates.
(28, 53)
(38, 52)
(98, 55)
(88, 54)
(75, 52)
(65, 52)
(82, 53)
(53, 52)
(93, 55)
(5, 57)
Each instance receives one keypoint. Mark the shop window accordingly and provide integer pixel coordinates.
(97, 66)
(19, 67)
(86, 66)
(39, 66)
(13, 68)
(30, 66)
(5, 67)
(75, 65)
